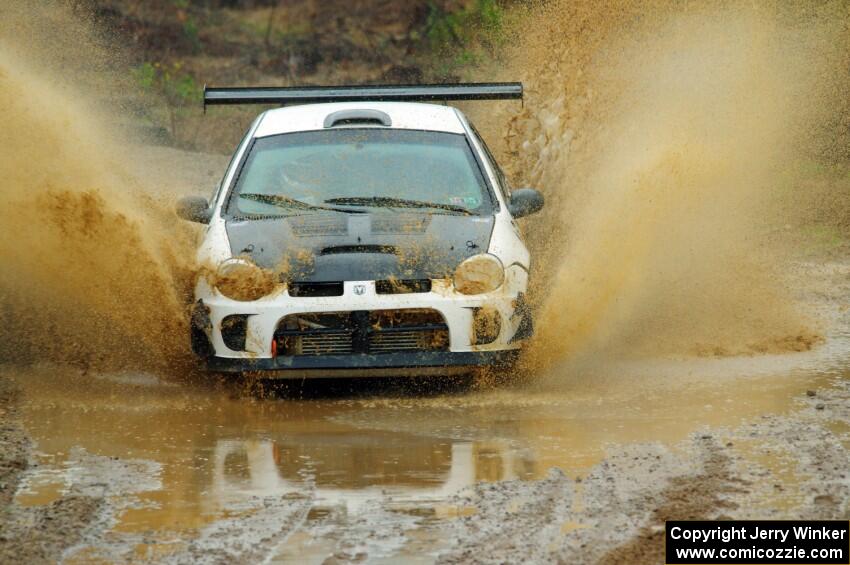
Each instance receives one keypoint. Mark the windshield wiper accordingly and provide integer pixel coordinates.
(282, 201)
(390, 202)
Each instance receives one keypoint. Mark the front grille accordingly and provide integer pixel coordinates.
(408, 340)
(329, 343)
(407, 286)
(377, 332)
(301, 289)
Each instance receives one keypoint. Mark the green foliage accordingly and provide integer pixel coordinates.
(292, 33)
(286, 35)
(451, 29)
(464, 37)
(145, 75)
(190, 30)
(490, 14)
(190, 25)
(178, 88)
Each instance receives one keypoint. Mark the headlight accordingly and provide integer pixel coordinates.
(240, 279)
(479, 274)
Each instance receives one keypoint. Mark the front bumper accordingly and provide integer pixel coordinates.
(262, 317)
(422, 363)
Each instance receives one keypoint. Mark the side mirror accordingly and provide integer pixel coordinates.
(194, 209)
(525, 201)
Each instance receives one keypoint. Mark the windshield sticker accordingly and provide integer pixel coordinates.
(469, 201)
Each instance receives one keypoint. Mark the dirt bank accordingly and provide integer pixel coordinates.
(41, 534)
(15, 443)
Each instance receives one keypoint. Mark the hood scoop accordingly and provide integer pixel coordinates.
(340, 249)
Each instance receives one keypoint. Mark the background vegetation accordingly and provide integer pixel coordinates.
(177, 46)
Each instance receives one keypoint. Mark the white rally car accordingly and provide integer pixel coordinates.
(363, 231)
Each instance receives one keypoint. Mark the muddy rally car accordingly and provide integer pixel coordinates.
(361, 231)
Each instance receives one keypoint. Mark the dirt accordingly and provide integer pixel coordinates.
(42, 534)
(541, 472)
(16, 446)
(698, 497)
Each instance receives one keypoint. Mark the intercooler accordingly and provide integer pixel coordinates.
(368, 332)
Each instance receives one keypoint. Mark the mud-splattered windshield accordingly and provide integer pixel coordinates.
(358, 170)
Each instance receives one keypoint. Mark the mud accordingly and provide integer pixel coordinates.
(101, 268)
(700, 371)
(661, 134)
(88, 243)
(33, 535)
(582, 472)
(657, 140)
(16, 446)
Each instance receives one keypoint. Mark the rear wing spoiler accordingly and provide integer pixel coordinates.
(375, 93)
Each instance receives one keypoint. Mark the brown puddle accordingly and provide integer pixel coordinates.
(179, 459)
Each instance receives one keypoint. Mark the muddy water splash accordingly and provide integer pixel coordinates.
(93, 267)
(656, 130)
(659, 133)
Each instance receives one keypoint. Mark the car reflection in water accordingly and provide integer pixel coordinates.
(352, 473)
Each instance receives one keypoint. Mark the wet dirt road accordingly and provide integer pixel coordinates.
(658, 139)
(559, 468)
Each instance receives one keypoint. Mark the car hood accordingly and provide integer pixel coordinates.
(332, 246)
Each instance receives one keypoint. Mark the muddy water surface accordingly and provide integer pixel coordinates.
(180, 462)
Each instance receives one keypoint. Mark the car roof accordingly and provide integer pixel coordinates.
(404, 115)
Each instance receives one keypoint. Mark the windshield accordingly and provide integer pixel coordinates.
(358, 170)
